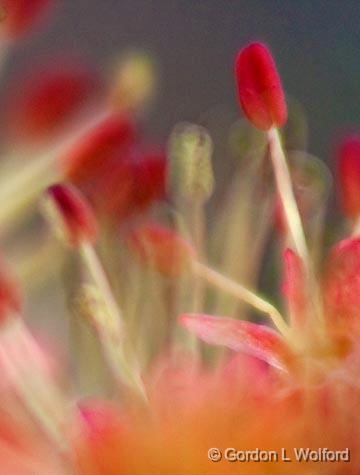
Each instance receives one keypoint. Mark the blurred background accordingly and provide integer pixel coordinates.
(194, 43)
(316, 45)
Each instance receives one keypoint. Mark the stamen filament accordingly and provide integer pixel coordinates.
(98, 275)
(197, 221)
(237, 290)
(293, 219)
(286, 193)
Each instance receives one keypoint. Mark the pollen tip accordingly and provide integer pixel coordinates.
(260, 91)
(70, 214)
(161, 247)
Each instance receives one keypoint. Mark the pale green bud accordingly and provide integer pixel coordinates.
(190, 172)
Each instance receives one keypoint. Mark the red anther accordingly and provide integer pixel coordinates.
(349, 175)
(21, 15)
(112, 192)
(162, 248)
(342, 285)
(91, 153)
(259, 87)
(73, 213)
(149, 174)
(250, 338)
(129, 185)
(49, 98)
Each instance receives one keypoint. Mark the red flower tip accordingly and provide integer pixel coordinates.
(49, 98)
(341, 286)
(259, 87)
(161, 247)
(22, 15)
(10, 294)
(71, 214)
(95, 148)
(348, 165)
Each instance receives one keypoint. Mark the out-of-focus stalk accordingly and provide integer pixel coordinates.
(73, 220)
(111, 327)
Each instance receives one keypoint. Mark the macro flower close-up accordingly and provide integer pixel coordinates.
(179, 272)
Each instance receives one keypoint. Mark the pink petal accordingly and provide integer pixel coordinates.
(341, 284)
(293, 287)
(257, 340)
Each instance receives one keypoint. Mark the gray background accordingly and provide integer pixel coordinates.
(316, 44)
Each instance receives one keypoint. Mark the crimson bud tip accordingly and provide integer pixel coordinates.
(259, 87)
(70, 214)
